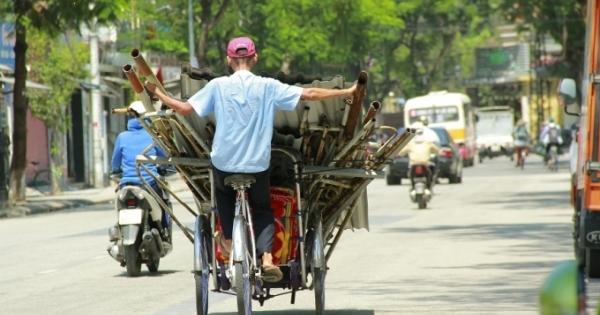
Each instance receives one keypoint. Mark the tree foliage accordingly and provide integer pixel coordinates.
(60, 65)
(563, 20)
(50, 17)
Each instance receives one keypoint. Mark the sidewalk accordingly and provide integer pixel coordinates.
(38, 203)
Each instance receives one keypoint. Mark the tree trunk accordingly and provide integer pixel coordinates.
(286, 64)
(20, 106)
(202, 39)
(56, 160)
(207, 23)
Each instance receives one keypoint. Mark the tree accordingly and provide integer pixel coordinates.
(52, 17)
(61, 66)
(563, 20)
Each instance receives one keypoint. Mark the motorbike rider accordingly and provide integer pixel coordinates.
(419, 151)
(428, 132)
(551, 136)
(128, 145)
(521, 139)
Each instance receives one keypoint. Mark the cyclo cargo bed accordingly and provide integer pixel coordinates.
(320, 169)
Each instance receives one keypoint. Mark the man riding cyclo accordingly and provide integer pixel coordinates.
(244, 105)
(419, 152)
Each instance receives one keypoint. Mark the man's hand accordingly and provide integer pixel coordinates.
(151, 87)
(351, 90)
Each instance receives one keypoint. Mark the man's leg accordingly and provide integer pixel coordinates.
(225, 196)
(165, 216)
(518, 153)
(259, 196)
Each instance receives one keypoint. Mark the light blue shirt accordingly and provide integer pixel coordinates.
(244, 105)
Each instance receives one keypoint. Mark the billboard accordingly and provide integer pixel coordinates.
(498, 61)
(7, 44)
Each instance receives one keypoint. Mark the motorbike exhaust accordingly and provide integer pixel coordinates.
(159, 243)
(113, 233)
(113, 251)
(150, 244)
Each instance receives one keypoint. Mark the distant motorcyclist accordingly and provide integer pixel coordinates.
(428, 132)
(551, 136)
(419, 151)
(129, 144)
(521, 139)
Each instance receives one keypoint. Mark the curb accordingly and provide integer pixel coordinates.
(47, 206)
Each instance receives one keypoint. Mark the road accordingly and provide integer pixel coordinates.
(482, 247)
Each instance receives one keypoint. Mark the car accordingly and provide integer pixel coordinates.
(449, 163)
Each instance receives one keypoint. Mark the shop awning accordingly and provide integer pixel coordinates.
(28, 84)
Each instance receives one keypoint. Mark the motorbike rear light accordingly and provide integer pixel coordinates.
(130, 202)
(445, 152)
(419, 170)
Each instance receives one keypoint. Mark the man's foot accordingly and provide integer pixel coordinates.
(224, 244)
(271, 273)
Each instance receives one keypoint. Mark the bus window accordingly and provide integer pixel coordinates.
(436, 114)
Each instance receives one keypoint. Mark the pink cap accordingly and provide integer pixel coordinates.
(238, 44)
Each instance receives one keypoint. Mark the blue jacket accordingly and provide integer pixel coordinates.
(129, 144)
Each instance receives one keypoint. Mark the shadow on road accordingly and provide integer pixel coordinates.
(159, 273)
(306, 312)
(558, 234)
(540, 200)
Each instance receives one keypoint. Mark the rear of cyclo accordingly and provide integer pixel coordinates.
(298, 247)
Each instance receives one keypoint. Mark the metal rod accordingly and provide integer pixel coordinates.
(373, 108)
(357, 99)
(161, 202)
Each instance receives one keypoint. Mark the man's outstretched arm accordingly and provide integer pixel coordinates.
(183, 108)
(319, 94)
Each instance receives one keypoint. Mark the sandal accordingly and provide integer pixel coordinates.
(220, 240)
(272, 273)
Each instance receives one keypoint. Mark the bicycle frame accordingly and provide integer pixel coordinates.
(241, 223)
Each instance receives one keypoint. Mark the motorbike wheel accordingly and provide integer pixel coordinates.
(133, 261)
(153, 266)
(592, 263)
(421, 201)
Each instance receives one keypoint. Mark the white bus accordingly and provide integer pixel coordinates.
(451, 111)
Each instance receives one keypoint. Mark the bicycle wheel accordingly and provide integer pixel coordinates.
(242, 273)
(202, 247)
(42, 181)
(554, 159)
(522, 161)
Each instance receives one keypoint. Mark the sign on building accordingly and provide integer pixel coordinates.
(7, 44)
(499, 61)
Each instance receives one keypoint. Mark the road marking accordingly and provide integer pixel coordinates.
(99, 257)
(47, 271)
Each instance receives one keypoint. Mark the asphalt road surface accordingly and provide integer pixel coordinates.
(481, 247)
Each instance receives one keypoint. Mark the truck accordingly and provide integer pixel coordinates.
(494, 125)
(586, 179)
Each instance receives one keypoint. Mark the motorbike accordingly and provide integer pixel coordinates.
(138, 237)
(421, 180)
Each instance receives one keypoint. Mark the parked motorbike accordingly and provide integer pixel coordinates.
(138, 236)
(420, 179)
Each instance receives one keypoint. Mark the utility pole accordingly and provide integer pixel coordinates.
(191, 32)
(97, 154)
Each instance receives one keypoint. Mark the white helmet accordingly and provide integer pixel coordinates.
(418, 127)
(138, 107)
